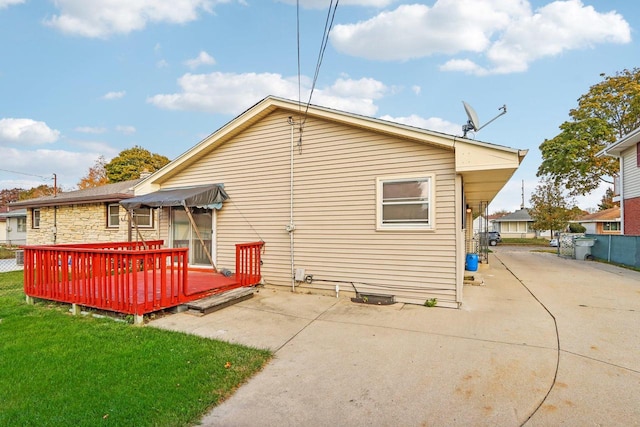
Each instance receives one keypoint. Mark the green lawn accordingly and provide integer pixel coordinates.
(526, 242)
(61, 370)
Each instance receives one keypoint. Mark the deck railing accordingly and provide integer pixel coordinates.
(248, 262)
(122, 276)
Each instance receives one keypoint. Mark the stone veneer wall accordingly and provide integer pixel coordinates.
(85, 223)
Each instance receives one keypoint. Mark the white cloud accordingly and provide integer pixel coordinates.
(202, 59)
(26, 131)
(68, 166)
(464, 65)
(162, 64)
(507, 33)
(7, 3)
(322, 4)
(127, 130)
(90, 129)
(103, 148)
(114, 95)
(432, 123)
(102, 18)
(230, 93)
(416, 89)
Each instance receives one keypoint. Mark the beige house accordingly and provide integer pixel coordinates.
(86, 216)
(519, 225)
(343, 202)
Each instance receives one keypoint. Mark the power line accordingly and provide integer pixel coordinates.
(23, 173)
(331, 14)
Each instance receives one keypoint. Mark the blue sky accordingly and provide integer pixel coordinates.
(80, 79)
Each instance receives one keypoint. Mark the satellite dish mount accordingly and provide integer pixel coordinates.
(473, 123)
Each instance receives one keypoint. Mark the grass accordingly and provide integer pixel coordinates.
(57, 369)
(525, 242)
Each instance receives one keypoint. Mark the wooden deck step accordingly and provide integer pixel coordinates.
(216, 302)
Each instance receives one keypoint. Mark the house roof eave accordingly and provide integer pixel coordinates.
(622, 144)
(271, 104)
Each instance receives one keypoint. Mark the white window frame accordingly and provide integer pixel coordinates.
(35, 214)
(110, 216)
(408, 226)
(137, 214)
(21, 224)
(611, 226)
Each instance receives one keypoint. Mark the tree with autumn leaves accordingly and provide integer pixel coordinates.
(551, 209)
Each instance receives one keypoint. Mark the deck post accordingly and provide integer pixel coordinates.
(138, 319)
(30, 300)
(75, 309)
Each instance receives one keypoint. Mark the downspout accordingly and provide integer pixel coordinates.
(291, 227)
(55, 224)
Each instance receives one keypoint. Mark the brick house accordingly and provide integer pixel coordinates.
(627, 150)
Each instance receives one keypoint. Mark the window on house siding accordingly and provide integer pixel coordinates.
(22, 224)
(611, 226)
(143, 217)
(405, 203)
(113, 215)
(35, 218)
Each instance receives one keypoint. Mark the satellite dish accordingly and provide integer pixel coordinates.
(473, 123)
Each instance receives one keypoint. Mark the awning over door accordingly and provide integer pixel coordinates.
(202, 196)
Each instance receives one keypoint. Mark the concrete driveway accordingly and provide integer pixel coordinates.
(494, 362)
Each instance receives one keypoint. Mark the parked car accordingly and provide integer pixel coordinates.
(553, 242)
(492, 238)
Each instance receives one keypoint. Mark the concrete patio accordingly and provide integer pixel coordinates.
(496, 361)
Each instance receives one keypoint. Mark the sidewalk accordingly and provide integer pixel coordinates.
(341, 363)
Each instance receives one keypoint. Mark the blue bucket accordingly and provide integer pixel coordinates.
(472, 262)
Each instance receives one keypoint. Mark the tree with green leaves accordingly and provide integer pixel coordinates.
(608, 111)
(551, 209)
(130, 163)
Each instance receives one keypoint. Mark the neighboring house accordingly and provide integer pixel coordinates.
(15, 227)
(90, 215)
(517, 224)
(3, 225)
(491, 218)
(627, 150)
(342, 201)
(480, 224)
(602, 222)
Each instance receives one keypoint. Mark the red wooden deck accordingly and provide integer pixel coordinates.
(129, 278)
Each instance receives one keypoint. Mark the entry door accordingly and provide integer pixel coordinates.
(185, 236)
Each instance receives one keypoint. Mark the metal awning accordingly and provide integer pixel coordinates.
(202, 196)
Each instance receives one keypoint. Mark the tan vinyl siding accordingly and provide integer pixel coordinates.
(631, 173)
(334, 209)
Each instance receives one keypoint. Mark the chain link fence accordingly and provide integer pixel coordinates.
(11, 271)
(566, 244)
(11, 258)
